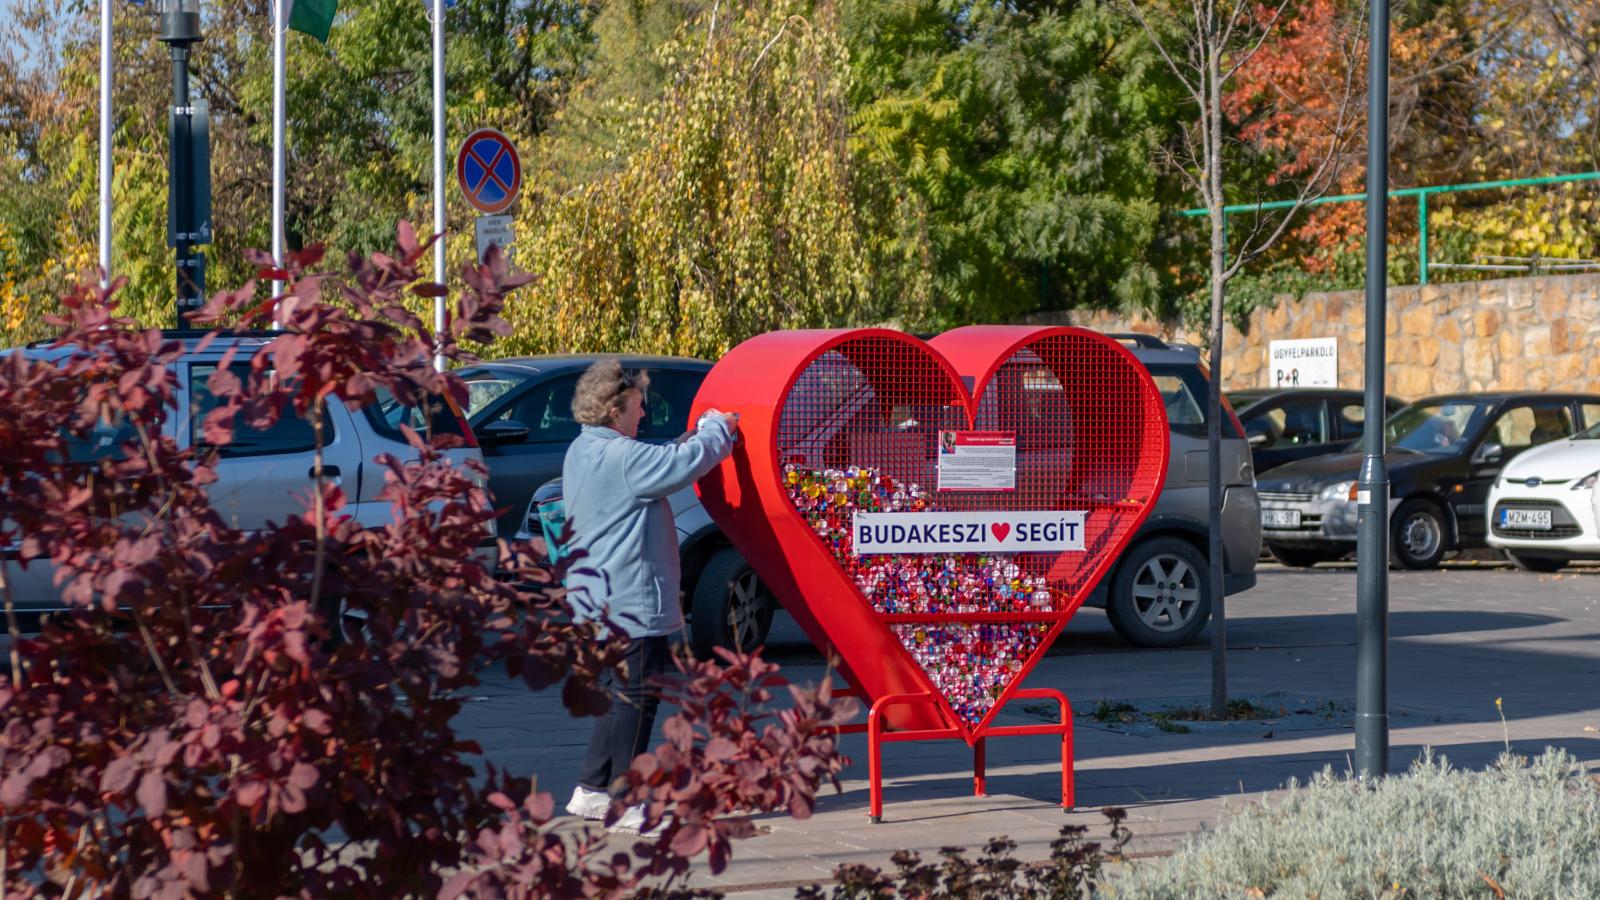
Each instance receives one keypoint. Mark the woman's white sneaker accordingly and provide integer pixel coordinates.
(633, 820)
(587, 804)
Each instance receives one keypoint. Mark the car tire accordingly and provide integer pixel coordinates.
(345, 624)
(1536, 563)
(1301, 557)
(1159, 596)
(730, 607)
(1417, 535)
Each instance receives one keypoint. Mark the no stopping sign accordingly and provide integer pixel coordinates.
(489, 170)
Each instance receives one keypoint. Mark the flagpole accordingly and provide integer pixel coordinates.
(106, 75)
(279, 33)
(438, 171)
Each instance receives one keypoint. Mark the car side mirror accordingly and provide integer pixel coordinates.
(1489, 454)
(497, 434)
(1256, 440)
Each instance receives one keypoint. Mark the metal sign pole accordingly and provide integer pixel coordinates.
(438, 170)
(106, 132)
(279, 28)
(1372, 555)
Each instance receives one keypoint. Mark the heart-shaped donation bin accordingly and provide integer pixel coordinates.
(933, 513)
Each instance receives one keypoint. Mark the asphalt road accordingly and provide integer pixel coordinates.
(1460, 638)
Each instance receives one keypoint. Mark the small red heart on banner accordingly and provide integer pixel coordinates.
(1067, 438)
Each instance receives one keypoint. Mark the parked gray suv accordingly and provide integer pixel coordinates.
(1156, 595)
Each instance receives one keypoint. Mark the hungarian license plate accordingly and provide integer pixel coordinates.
(1280, 518)
(1533, 519)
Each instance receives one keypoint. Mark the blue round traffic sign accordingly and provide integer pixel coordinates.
(489, 170)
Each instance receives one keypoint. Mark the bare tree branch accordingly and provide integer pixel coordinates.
(1260, 41)
(1155, 40)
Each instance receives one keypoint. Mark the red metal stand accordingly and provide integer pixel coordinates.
(877, 737)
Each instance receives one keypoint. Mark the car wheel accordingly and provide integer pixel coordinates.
(1159, 597)
(1300, 557)
(346, 625)
(731, 607)
(1417, 535)
(1536, 563)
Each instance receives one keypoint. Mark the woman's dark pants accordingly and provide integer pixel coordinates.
(624, 731)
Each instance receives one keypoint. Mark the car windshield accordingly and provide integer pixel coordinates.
(1588, 434)
(1242, 399)
(1440, 428)
(484, 386)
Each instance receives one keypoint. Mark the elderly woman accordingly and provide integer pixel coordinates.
(615, 490)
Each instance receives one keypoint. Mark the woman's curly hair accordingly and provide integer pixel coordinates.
(603, 391)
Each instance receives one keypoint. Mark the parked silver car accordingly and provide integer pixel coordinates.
(264, 475)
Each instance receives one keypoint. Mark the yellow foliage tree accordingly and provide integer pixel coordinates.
(739, 209)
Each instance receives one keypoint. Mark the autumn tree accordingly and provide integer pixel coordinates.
(735, 207)
(1205, 46)
(1027, 130)
(1283, 99)
(359, 132)
(1480, 90)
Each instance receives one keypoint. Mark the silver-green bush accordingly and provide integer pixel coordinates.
(1533, 828)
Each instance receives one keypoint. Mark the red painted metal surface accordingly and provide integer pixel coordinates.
(837, 423)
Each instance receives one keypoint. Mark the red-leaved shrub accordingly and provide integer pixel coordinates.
(186, 730)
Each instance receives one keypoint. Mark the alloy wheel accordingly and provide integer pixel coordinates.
(1166, 592)
(745, 606)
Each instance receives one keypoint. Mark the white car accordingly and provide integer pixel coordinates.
(1542, 506)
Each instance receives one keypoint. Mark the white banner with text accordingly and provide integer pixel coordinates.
(1014, 531)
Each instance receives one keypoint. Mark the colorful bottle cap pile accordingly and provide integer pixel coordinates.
(953, 583)
(970, 663)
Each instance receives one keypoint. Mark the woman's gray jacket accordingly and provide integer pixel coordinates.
(615, 492)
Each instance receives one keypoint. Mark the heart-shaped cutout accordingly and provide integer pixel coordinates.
(934, 513)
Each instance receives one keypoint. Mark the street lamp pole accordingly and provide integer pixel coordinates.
(188, 213)
(1372, 554)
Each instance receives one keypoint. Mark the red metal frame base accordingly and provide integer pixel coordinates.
(877, 737)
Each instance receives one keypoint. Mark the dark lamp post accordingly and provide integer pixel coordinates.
(189, 168)
(1372, 545)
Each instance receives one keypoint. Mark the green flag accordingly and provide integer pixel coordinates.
(313, 17)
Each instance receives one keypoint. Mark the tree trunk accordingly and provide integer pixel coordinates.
(1219, 251)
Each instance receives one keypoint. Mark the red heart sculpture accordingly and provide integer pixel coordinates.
(837, 424)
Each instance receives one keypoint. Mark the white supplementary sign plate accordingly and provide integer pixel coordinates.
(977, 461)
(1016, 531)
(1309, 362)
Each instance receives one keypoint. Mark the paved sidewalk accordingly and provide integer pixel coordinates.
(1460, 638)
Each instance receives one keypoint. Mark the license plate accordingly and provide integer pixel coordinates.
(1280, 518)
(1535, 519)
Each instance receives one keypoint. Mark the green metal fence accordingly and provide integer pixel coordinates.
(1421, 193)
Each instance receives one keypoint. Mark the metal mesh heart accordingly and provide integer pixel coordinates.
(850, 422)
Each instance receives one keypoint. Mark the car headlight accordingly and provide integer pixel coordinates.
(1586, 481)
(1344, 490)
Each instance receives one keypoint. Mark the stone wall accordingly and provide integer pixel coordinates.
(1520, 333)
